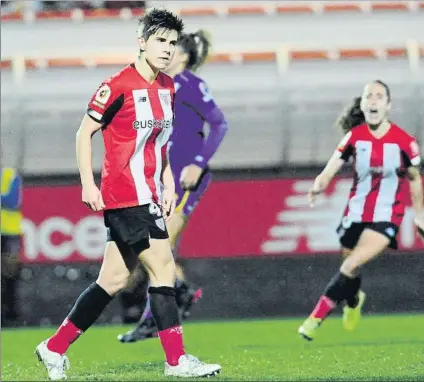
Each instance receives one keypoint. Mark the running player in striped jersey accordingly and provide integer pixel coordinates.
(189, 154)
(134, 109)
(384, 157)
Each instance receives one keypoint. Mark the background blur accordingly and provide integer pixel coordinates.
(282, 71)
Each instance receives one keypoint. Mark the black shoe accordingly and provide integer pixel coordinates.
(145, 330)
(186, 297)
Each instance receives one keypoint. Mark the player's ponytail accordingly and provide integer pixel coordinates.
(203, 44)
(197, 46)
(351, 116)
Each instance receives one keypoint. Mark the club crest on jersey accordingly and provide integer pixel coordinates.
(160, 223)
(103, 94)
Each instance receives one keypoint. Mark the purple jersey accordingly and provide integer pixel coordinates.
(194, 106)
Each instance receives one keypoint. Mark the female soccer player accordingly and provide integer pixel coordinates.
(134, 109)
(384, 158)
(189, 154)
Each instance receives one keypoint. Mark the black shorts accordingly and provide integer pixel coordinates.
(10, 245)
(131, 228)
(350, 233)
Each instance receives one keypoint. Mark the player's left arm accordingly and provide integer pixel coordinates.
(206, 106)
(340, 156)
(167, 177)
(413, 161)
(168, 195)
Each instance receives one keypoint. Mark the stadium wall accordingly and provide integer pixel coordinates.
(274, 259)
(240, 288)
(268, 32)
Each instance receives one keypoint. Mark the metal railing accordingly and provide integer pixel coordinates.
(268, 127)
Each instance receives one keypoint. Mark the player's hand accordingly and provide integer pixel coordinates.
(168, 203)
(312, 196)
(419, 223)
(190, 176)
(92, 197)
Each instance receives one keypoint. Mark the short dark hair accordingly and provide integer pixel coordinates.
(351, 116)
(155, 19)
(197, 45)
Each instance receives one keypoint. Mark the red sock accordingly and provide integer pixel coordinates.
(323, 308)
(172, 343)
(64, 337)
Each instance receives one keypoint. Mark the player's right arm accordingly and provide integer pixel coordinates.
(412, 158)
(102, 108)
(338, 159)
(205, 105)
(90, 193)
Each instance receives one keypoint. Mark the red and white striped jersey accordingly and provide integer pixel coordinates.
(137, 122)
(380, 188)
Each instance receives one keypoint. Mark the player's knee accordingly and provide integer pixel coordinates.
(159, 263)
(350, 267)
(114, 284)
(345, 254)
(163, 273)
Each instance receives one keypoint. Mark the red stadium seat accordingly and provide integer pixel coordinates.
(224, 57)
(317, 7)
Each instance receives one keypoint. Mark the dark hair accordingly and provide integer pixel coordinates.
(352, 115)
(197, 46)
(385, 86)
(155, 19)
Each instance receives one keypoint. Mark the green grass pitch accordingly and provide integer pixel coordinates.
(389, 348)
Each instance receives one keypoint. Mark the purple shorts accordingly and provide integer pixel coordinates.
(187, 200)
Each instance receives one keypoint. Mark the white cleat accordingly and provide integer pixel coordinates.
(55, 363)
(190, 366)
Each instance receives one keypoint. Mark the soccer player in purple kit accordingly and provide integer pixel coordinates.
(189, 152)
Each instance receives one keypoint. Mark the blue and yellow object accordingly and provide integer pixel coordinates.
(11, 202)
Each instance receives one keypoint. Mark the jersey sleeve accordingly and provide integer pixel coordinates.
(345, 148)
(412, 154)
(205, 105)
(173, 95)
(105, 103)
(202, 99)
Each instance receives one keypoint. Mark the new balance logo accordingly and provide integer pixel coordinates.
(302, 228)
